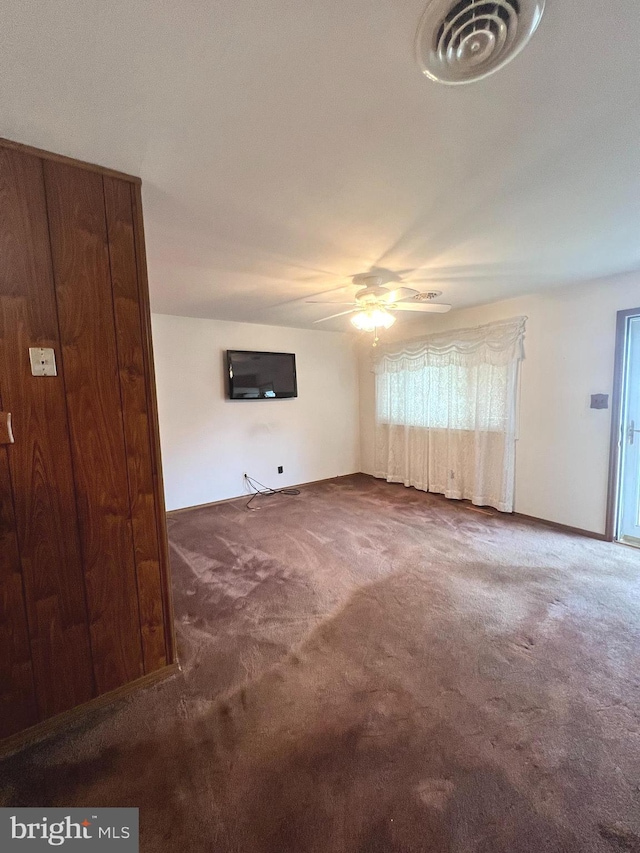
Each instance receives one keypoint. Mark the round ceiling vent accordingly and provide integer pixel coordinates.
(459, 41)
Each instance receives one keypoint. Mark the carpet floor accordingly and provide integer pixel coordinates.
(370, 669)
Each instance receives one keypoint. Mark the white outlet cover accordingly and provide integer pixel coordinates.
(43, 361)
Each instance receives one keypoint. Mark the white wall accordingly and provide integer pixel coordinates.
(562, 453)
(209, 441)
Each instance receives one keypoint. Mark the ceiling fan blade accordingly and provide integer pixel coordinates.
(399, 293)
(341, 314)
(418, 298)
(327, 302)
(425, 307)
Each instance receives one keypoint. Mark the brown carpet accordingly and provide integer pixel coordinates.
(370, 669)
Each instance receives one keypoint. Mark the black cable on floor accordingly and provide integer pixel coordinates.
(264, 490)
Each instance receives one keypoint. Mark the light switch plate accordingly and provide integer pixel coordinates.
(43, 361)
(599, 401)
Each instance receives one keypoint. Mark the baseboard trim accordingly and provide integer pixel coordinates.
(247, 495)
(518, 516)
(532, 519)
(564, 528)
(53, 725)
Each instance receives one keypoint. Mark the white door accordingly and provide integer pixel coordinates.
(629, 507)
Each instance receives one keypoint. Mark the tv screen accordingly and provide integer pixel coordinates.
(261, 375)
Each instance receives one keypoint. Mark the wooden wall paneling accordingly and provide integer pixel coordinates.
(17, 690)
(40, 460)
(70, 161)
(80, 255)
(124, 281)
(152, 408)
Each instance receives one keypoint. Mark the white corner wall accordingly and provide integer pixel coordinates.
(208, 441)
(562, 453)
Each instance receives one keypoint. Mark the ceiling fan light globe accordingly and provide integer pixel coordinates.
(372, 319)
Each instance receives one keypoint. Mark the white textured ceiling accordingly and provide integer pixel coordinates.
(285, 145)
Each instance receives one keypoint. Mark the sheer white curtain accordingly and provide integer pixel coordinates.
(446, 412)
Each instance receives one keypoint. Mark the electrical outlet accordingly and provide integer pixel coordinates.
(280, 469)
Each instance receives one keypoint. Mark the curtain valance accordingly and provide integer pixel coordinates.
(498, 343)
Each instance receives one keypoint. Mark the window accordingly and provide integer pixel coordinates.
(445, 397)
(446, 413)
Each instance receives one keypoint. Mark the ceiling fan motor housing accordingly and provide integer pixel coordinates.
(371, 294)
(460, 41)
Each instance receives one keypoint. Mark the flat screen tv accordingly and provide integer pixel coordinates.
(261, 375)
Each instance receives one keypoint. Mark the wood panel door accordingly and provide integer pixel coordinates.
(84, 602)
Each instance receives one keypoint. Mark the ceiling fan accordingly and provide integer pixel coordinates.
(374, 306)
